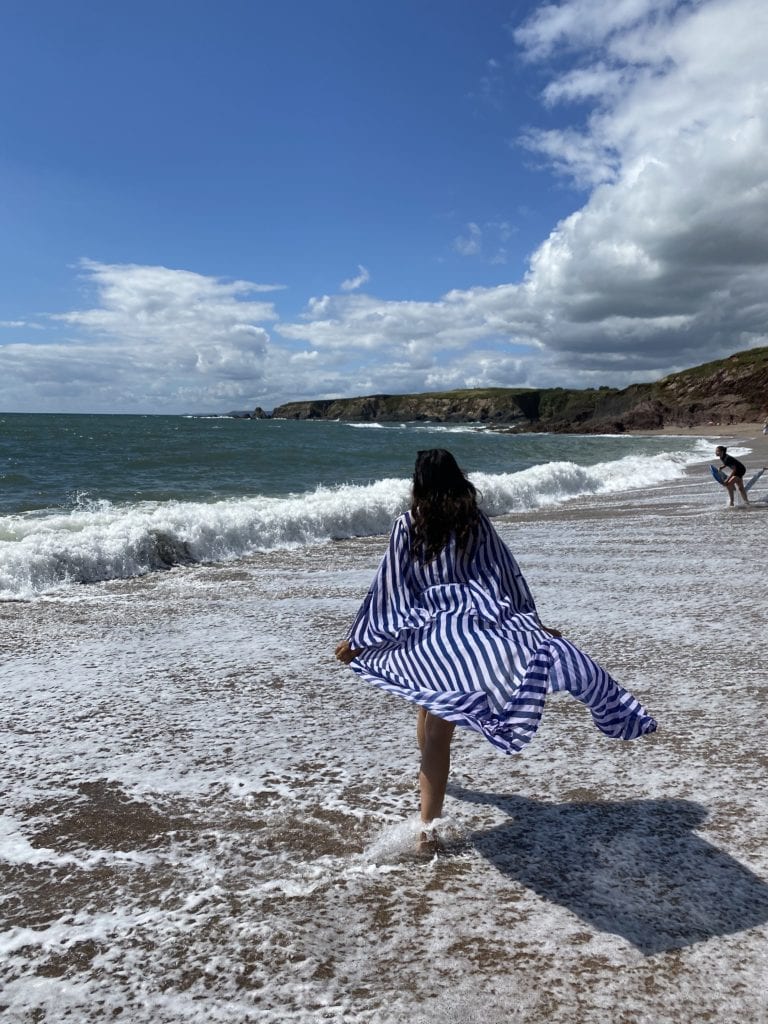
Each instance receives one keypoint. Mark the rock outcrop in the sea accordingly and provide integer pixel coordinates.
(246, 414)
(727, 391)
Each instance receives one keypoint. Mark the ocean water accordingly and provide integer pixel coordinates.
(206, 818)
(90, 498)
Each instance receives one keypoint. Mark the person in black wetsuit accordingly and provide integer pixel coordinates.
(736, 470)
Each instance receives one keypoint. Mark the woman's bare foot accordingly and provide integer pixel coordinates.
(429, 844)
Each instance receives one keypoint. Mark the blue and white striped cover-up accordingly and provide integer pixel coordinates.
(460, 637)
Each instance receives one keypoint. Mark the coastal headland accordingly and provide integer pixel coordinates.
(722, 393)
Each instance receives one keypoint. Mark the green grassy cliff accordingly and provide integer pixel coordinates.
(731, 390)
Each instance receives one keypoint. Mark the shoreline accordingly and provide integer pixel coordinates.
(736, 434)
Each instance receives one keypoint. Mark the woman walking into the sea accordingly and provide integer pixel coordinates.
(450, 624)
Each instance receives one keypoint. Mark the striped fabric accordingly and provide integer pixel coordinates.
(460, 637)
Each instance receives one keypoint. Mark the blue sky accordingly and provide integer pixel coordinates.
(207, 207)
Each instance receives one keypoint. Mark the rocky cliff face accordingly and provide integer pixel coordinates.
(732, 390)
(495, 405)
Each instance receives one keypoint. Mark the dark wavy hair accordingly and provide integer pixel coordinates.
(443, 502)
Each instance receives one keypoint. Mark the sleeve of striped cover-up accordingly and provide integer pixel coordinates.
(387, 606)
(498, 571)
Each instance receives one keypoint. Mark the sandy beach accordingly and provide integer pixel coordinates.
(744, 431)
(206, 818)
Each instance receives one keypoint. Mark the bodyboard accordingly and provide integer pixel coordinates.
(719, 475)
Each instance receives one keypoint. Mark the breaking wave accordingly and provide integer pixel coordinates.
(98, 540)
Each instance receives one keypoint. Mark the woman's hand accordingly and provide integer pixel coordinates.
(345, 653)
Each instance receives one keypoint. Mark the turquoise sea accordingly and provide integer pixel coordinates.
(87, 498)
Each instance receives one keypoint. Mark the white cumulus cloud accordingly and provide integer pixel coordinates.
(665, 263)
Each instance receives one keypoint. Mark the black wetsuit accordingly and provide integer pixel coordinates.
(733, 464)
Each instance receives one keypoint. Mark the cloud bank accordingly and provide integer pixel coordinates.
(158, 339)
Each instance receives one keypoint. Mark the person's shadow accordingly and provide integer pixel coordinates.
(634, 868)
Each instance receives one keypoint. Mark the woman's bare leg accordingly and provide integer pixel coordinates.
(434, 738)
(421, 729)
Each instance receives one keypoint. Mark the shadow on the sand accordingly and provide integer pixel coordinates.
(634, 869)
